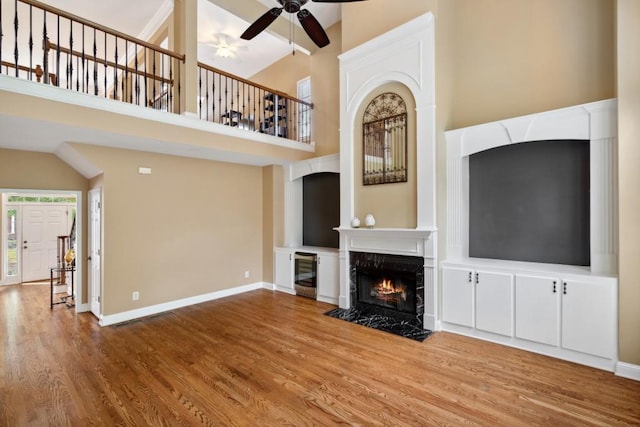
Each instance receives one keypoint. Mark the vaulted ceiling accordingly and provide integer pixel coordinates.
(216, 18)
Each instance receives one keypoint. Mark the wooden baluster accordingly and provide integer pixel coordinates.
(146, 89)
(78, 74)
(137, 77)
(70, 56)
(15, 26)
(128, 85)
(45, 49)
(200, 93)
(85, 65)
(57, 82)
(171, 89)
(95, 62)
(154, 76)
(30, 42)
(106, 95)
(115, 70)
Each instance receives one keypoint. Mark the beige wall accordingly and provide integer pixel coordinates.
(273, 216)
(283, 75)
(325, 83)
(190, 228)
(43, 171)
(628, 32)
(522, 57)
(392, 205)
(362, 21)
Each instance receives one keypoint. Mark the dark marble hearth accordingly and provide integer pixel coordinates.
(382, 322)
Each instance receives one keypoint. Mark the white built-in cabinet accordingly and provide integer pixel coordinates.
(566, 315)
(328, 280)
(283, 270)
(478, 299)
(328, 277)
(576, 315)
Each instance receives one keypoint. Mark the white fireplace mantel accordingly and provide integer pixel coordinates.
(405, 55)
(398, 241)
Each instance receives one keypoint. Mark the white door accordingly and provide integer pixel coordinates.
(328, 278)
(283, 269)
(538, 309)
(494, 302)
(588, 317)
(95, 242)
(41, 226)
(457, 296)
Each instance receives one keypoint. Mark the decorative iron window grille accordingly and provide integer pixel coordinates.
(385, 140)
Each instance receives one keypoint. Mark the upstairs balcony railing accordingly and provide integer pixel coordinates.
(233, 101)
(54, 47)
(44, 44)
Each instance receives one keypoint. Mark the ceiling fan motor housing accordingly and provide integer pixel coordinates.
(292, 6)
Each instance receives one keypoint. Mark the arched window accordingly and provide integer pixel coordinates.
(385, 140)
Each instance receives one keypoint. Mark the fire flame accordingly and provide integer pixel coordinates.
(386, 288)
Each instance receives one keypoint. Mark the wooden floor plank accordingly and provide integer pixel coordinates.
(266, 358)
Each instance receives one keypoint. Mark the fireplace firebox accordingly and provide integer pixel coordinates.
(387, 289)
(392, 285)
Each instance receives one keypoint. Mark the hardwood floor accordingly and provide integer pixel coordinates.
(271, 359)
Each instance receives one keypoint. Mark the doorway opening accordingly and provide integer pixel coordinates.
(39, 229)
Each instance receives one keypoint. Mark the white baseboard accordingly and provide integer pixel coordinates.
(284, 290)
(269, 286)
(83, 308)
(126, 316)
(628, 370)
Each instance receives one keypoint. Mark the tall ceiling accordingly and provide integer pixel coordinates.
(217, 19)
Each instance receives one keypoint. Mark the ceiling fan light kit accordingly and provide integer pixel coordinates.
(309, 23)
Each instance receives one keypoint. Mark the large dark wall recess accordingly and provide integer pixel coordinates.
(530, 202)
(320, 209)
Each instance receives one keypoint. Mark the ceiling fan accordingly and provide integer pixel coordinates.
(309, 23)
(225, 45)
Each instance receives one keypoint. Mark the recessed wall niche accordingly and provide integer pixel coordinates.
(393, 205)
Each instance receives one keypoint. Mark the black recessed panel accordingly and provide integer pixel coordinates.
(530, 202)
(320, 209)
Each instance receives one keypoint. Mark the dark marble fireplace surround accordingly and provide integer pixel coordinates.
(407, 269)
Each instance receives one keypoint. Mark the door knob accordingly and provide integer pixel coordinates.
(89, 258)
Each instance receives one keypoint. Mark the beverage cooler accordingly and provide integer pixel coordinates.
(306, 270)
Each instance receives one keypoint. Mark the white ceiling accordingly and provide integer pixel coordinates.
(254, 55)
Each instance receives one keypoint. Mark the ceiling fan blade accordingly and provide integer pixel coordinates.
(261, 23)
(313, 28)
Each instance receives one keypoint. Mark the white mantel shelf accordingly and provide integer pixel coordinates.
(395, 232)
(399, 241)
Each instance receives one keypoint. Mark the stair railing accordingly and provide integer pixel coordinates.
(81, 55)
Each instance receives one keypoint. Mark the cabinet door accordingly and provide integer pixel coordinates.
(457, 296)
(283, 269)
(494, 302)
(588, 317)
(328, 278)
(537, 309)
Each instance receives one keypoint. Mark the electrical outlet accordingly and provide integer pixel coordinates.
(246, 274)
(135, 296)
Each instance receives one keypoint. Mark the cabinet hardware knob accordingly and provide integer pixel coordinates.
(477, 278)
(554, 287)
(564, 288)
(470, 277)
